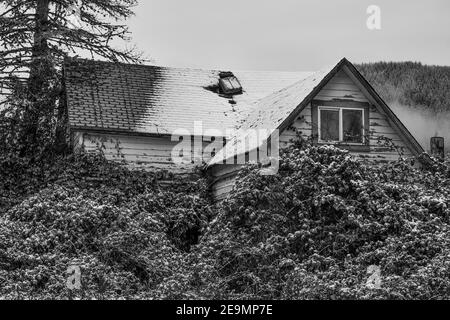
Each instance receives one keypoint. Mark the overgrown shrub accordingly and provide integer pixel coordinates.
(124, 230)
(313, 231)
(310, 232)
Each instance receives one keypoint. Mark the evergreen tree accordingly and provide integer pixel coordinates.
(36, 36)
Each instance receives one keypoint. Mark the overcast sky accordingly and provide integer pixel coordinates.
(289, 34)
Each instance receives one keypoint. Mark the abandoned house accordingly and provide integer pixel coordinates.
(134, 113)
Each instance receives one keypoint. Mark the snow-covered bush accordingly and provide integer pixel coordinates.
(315, 230)
(125, 232)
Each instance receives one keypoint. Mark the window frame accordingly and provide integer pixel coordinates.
(341, 124)
(230, 85)
(348, 104)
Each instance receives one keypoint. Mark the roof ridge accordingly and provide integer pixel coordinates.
(166, 97)
(86, 60)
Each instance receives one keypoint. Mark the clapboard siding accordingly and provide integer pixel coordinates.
(223, 187)
(341, 87)
(224, 177)
(151, 153)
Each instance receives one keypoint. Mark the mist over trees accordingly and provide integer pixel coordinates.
(410, 83)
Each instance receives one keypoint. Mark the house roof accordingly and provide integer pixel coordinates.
(159, 100)
(154, 100)
(279, 109)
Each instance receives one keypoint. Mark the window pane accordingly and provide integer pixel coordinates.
(329, 125)
(230, 85)
(235, 83)
(227, 85)
(353, 126)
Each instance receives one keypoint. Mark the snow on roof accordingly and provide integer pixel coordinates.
(269, 114)
(142, 99)
(159, 100)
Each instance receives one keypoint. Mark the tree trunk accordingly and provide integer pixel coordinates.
(40, 46)
(40, 68)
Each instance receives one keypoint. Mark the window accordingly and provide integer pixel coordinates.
(230, 85)
(341, 125)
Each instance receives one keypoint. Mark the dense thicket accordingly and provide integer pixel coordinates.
(313, 231)
(124, 230)
(310, 232)
(411, 84)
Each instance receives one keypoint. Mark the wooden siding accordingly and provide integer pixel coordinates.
(342, 88)
(150, 153)
(223, 179)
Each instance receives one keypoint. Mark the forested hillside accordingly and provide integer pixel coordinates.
(411, 84)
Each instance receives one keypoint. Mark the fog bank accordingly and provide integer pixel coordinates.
(424, 124)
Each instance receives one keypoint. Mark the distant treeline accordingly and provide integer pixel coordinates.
(410, 83)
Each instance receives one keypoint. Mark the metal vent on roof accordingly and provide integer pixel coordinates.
(229, 84)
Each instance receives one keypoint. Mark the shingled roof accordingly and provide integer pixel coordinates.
(159, 100)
